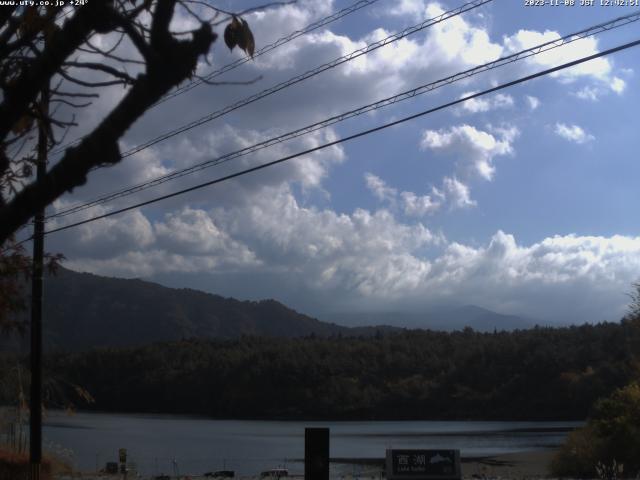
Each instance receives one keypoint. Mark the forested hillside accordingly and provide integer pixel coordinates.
(82, 310)
(541, 373)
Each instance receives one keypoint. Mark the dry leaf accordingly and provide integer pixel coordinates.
(247, 36)
(232, 33)
(238, 33)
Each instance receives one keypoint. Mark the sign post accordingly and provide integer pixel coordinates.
(122, 454)
(423, 465)
(316, 454)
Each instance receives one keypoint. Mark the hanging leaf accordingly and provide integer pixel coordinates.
(248, 40)
(238, 33)
(232, 33)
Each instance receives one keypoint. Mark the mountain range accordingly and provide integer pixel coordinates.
(83, 310)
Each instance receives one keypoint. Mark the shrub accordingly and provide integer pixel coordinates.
(611, 437)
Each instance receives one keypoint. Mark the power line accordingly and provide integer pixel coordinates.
(351, 137)
(267, 48)
(606, 26)
(306, 75)
(240, 61)
(334, 63)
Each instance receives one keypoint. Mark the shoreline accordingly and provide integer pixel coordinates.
(525, 464)
(531, 464)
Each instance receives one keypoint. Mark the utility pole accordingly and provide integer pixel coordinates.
(35, 420)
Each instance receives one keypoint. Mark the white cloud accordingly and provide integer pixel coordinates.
(421, 205)
(474, 149)
(457, 38)
(379, 188)
(485, 104)
(193, 232)
(599, 69)
(618, 85)
(363, 252)
(375, 261)
(457, 193)
(594, 92)
(132, 245)
(453, 193)
(533, 102)
(589, 93)
(594, 271)
(573, 133)
(413, 8)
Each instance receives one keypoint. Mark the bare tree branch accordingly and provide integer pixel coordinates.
(172, 61)
(102, 67)
(61, 45)
(84, 83)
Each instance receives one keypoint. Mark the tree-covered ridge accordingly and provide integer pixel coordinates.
(542, 373)
(82, 311)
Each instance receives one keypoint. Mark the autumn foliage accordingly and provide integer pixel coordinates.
(15, 466)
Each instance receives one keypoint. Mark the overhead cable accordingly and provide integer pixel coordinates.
(240, 61)
(546, 46)
(306, 75)
(267, 48)
(350, 137)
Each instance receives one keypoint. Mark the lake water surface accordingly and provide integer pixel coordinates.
(172, 444)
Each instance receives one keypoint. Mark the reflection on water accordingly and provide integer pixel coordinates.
(166, 444)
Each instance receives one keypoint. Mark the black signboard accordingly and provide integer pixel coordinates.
(423, 464)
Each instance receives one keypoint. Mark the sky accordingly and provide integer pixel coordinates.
(523, 201)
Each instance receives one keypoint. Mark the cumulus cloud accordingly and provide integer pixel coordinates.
(193, 232)
(589, 93)
(132, 245)
(598, 270)
(453, 193)
(420, 205)
(599, 69)
(593, 93)
(457, 193)
(573, 133)
(485, 104)
(412, 8)
(372, 259)
(379, 188)
(475, 150)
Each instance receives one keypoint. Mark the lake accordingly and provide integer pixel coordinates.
(188, 445)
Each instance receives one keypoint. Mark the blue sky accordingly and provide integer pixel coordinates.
(523, 202)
